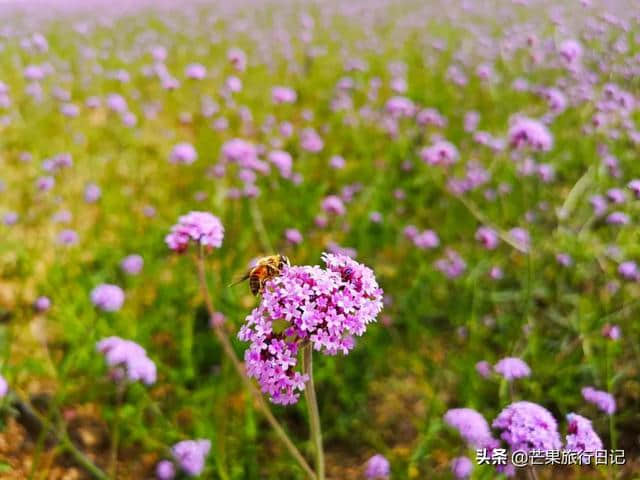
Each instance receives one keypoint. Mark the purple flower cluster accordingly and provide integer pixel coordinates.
(528, 426)
(471, 425)
(461, 467)
(512, 368)
(377, 467)
(325, 307)
(4, 386)
(580, 435)
(526, 132)
(190, 455)
(129, 359)
(107, 297)
(603, 400)
(200, 227)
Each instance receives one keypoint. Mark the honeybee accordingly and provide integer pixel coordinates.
(264, 269)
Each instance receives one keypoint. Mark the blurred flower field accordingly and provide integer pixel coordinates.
(436, 203)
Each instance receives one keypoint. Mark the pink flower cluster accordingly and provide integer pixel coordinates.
(201, 227)
(307, 304)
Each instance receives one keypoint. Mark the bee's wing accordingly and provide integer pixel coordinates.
(240, 280)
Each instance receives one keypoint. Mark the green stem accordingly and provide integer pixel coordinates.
(257, 395)
(115, 434)
(312, 408)
(61, 436)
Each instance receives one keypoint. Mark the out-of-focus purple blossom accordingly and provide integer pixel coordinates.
(233, 84)
(471, 426)
(571, 51)
(67, 237)
(471, 120)
(580, 435)
(616, 195)
(293, 236)
(634, 186)
(564, 259)
(195, 71)
(183, 153)
(337, 162)
(496, 273)
(92, 193)
(165, 470)
(400, 107)
(333, 205)
(202, 228)
(132, 264)
(618, 218)
(440, 153)
(430, 116)
(375, 217)
(512, 368)
(217, 319)
(42, 304)
(238, 59)
(629, 270)
(283, 95)
(282, 161)
(483, 368)
(529, 133)
(461, 467)
(612, 332)
(44, 184)
(599, 204)
(129, 356)
(527, 426)
(487, 237)
(452, 264)
(377, 468)
(326, 307)
(10, 218)
(107, 297)
(311, 141)
(601, 399)
(117, 103)
(425, 239)
(190, 455)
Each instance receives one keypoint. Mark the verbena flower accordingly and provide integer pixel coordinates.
(529, 133)
(603, 400)
(512, 368)
(471, 426)
(42, 304)
(190, 455)
(377, 467)
(528, 426)
(129, 359)
(183, 153)
(202, 228)
(165, 470)
(132, 264)
(580, 435)
(325, 307)
(483, 368)
(107, 297)
(461, 467)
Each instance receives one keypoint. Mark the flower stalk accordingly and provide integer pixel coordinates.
(312, 408)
